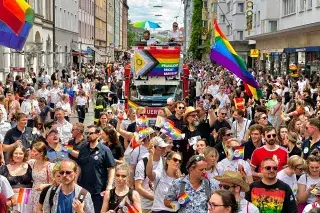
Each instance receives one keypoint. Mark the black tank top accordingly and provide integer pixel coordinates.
(115, 199)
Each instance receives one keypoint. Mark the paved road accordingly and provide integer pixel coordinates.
(89, 117)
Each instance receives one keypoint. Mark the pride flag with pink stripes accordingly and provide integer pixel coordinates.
(24, 195)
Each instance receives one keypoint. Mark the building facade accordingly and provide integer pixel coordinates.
(66, 32)
(100, 29)
(38, 50)
(188, 11)
(125, 14)
(110, 29)
(287, 32)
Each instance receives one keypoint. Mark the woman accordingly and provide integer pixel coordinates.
(131, 117)
(200, 146)
(113, 198)
(224, 134)
(81, 101)
(56, 180)
(296, 165)
(275, 110)
(38, 128)
(44, 109)
(162, 180)
(103, 120)
(295, 125)
(110, 138)
(211, 155)
(308, 181)
(18, 173)
(41, 170)
(261, 118)
(223, 201)
(65, 105)
(283, 136)
(293, 140)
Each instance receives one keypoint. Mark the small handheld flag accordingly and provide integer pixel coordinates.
(172, 131)
(183, 199)
(24, 195)
(237, 153)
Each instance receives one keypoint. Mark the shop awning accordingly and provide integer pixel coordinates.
(302, 49)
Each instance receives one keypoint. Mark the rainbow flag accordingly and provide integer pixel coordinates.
(183, 199)
(223, 53)
(142, 122)
(16, 20)
(69, 148)
(135, 140)
(132, 104)
(172, 131)
(24, 195)
(238, 153)
(127, 206)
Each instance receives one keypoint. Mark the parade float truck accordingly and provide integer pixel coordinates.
(155, 74)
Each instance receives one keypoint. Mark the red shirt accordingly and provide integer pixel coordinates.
(280, 155)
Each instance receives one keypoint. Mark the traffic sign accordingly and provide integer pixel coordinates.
(254, 53)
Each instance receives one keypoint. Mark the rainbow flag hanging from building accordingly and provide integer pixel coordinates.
(24, 195)
(223, 53)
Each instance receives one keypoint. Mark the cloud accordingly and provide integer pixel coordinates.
(140, 10)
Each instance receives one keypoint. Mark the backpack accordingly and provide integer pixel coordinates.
(81, 196)
(207, 186)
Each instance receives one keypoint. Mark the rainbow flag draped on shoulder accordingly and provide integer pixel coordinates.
(223, 53)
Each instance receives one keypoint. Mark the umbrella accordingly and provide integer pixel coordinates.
(16, 20)
(146, 24)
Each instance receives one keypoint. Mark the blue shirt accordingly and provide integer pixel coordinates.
(53, 154)
(65, 202)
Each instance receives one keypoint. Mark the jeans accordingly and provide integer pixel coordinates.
(81, 113)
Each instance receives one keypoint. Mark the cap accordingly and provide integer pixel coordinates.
(157, 141)
(51, 130)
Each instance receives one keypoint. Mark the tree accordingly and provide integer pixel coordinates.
(130, 35)
(196, 30)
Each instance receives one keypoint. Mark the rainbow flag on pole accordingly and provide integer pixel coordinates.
(132, 104)
(24, 195)
(223, 53)
(172, 131)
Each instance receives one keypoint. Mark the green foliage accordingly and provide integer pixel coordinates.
(130, 35)
(208, 41)
(196, 30)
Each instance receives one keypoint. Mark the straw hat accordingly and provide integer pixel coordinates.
(235, 178)
(189, 110)
(104, 89)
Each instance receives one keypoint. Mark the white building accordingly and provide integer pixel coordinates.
(38, 50)
(287, 31)
(188, 11)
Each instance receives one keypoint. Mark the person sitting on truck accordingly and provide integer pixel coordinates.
(175, 35)
(150, 41)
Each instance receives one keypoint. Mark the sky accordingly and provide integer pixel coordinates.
(141, 10)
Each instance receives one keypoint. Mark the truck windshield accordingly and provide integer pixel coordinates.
(153, 94)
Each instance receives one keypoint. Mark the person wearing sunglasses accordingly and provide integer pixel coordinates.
(220, 121)
(223, 201)
(224, 134)
(140, 112)
(68, 196)
(269, 150)
(234, 182)
(175, 35)
(272, 191)
(192, 192)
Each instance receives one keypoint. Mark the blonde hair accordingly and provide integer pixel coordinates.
(295, 161)
(211, 151)
(124, 167)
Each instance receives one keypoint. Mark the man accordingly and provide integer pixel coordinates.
(23, 89)
(221, 120)
(63, 126)
(101, 103)
(240, 125)
(54, 148)
(68, 196)
(254, 142)
(30, 107)
(214, 87)
(21, 134)
(97, 167)
(4, 128)
(311, 144)
(269, 150)
(222, 97)
(78, 140)
(175, 35)
(170, 108)
(177, 119)
(13, 106)
(195, 186)
(150, 41)
(270, 194)
(54, 96)
(43, 92)
(157, 149)
(235, 183)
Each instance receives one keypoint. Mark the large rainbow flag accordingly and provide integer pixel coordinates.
(223, 53)
(16, 20)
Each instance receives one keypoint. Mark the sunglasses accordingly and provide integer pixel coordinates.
(90, 133)
(109, 113)
(274, 168)
(176, 160)
(213, 205)
(226, 187)
(181, 107)
(264, 118)
(223, 113)
(229, 134)
(300, 169)
(175, 26)
(273, 135)
(61, 172)
(194, 115)
(142, 114)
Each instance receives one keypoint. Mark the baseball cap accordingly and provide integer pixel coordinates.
(157, 141)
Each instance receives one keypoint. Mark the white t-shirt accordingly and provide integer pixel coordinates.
(65, 106)
(247, 208)
(214, 89)
(308, 181)
(223, 98)
(240, 133)
(310, 206)
(54, 95)
(86, 87)
(162, 183)
(175, 34)
(5, 187)
(140, 175)
(290, 180)
(228, 165)
(138, 153)
(301, 85)
(81, 101)
(43, 93)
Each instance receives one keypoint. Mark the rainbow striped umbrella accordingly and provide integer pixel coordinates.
(146, 24)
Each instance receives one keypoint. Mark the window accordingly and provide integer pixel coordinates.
(222, 18)
(273, 26)
(258, 19)
(228, 7)
(302, 2)
(240, 35)
(205, 4)
(289, 7)
(229, 31)
(240, 7)
(318, 3)
(309, 4)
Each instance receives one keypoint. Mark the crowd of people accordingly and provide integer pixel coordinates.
(234, 153)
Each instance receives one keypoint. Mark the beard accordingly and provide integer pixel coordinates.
(271, 142)
(196, 123)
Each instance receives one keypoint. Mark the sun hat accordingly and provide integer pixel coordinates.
(189, 110)
(104, 89)
(235, 178)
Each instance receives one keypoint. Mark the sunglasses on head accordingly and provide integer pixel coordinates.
(274, 168)
(272, 135)
(226, 187)
(177, 160)
(61, 172)
(195, 160)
